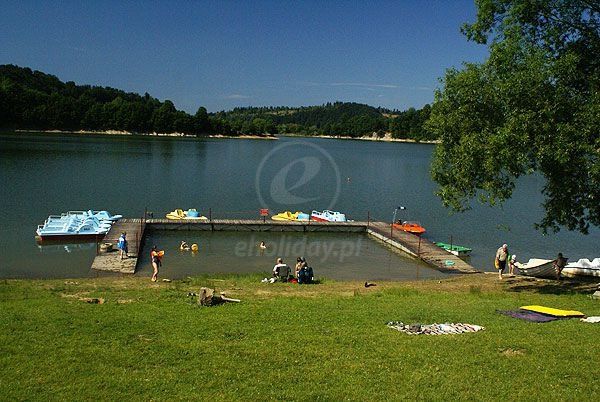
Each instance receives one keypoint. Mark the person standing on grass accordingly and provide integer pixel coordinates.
(559, 264)
(122, 245)
(500, 261)
(155, 257)
(512, 264)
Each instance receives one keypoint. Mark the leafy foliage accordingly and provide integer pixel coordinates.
(534, 105)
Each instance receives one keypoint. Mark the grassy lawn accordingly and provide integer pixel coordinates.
(329, 341)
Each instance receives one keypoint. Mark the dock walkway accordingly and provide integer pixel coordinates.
(110, 261)
(415, 246)
(420, 247)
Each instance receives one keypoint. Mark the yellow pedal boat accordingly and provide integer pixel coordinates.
(190, 214)
(285, 216)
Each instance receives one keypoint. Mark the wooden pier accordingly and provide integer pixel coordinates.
(421, 248)
(413, 245)
(256, 225)
(110, 261)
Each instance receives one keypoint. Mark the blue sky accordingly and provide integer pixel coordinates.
(222, 54)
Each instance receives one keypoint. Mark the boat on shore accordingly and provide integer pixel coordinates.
(582, 267)
(455, 249)
(538, 267)
(327, 216)
(410, 227)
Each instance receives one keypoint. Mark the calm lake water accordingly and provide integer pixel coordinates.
(44, 174)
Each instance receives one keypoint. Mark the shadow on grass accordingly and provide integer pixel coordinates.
(548, 286)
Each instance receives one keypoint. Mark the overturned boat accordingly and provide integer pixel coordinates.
(582, 267)
(538, 267)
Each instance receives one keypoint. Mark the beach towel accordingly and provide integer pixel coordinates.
(553, 311)
(528, 315)
(434, 329)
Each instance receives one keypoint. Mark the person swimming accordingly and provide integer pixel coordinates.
(184, 246)
(262, 245)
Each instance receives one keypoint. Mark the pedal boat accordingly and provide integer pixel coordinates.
(410, 227)
(285, 216)
(328, 216)
(190, 214)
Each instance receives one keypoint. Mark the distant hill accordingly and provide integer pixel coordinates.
(38, 101)
(338, 119)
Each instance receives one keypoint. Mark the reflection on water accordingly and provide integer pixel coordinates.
(65, 248)
(333, 256)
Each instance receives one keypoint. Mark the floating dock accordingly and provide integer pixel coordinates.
(411, 244)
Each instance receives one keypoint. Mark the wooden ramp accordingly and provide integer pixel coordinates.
(110, 261)
(419, 247)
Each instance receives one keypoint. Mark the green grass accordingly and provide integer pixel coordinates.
(327, 341)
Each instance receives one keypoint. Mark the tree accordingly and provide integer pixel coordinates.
(532, 106)
(164, 117)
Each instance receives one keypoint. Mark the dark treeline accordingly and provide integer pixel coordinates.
(38, 101)
(34, 100)
(338, 119)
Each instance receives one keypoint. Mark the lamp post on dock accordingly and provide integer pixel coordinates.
(394, 219)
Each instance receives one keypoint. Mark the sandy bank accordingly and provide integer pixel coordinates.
(386, 138)
(152, 134)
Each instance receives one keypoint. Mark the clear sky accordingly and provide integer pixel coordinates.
(222, 54)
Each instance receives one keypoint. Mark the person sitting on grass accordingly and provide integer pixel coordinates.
(281, 271)
(305, 275)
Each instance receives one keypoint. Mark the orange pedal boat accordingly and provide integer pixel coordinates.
(411, 227)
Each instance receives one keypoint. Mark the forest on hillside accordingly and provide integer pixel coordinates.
(33, 100)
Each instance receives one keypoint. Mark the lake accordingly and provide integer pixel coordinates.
(43, 174)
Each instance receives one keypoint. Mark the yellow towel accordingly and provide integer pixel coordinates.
(553, 311)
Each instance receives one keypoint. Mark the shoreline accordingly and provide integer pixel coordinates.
(153, 134)
(386, 138)
(365, 138)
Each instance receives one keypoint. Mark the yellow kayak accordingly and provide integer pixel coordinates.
(285, 216)
(553, 311)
